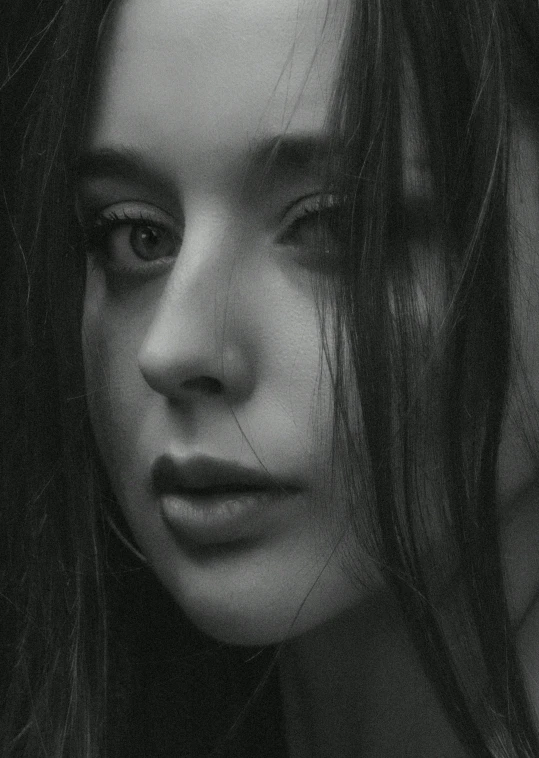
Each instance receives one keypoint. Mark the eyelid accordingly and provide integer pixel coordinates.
(131, 211)
(316, 202)
(125, 270)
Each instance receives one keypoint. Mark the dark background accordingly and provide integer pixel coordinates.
(23, 39)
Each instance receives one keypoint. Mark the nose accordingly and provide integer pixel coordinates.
(197, 342)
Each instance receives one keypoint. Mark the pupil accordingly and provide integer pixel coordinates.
(145, 241)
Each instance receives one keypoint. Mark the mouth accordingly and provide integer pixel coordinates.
(202, 474)
(208, 501)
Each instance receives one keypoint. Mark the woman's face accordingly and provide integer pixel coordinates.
(208, 388)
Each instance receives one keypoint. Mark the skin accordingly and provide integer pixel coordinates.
(234, 310)
(236, 306)
(182, 86)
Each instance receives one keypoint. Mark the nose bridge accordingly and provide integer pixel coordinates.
(199, 285)
(197, 336)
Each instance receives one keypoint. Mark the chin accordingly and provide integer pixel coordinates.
(266, 616)
(243, 622)
(240, 629)
(262, 594)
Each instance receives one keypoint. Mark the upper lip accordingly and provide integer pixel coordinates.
(201, 474)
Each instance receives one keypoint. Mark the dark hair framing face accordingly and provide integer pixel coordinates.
(433, 390)
(414, 377)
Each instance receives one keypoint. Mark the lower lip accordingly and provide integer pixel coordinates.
(219, 519)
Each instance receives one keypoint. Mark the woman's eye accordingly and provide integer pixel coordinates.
(311, 223)
(149, 242)
(132, 242)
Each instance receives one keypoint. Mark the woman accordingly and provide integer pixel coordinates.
(277, 338)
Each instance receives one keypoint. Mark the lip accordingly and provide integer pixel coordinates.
(210, 501)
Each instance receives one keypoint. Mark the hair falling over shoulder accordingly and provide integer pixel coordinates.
(431, 388)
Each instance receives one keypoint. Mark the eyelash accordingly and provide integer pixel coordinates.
(318, 208)
(98, 242)
(104, 225)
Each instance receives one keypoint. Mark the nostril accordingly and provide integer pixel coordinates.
(206, 384)
(187, 365)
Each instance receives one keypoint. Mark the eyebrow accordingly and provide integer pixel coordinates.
(121, 163)
(290, 152)
(282, 154)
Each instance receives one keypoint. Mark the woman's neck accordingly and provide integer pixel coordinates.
(354, 688)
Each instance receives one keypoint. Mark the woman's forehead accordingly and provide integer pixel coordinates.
(185, 81)
(212, 66)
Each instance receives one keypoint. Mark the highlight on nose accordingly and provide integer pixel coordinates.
(178, 362)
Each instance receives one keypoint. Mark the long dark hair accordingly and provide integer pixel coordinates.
(433, 372)
(432, 391)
